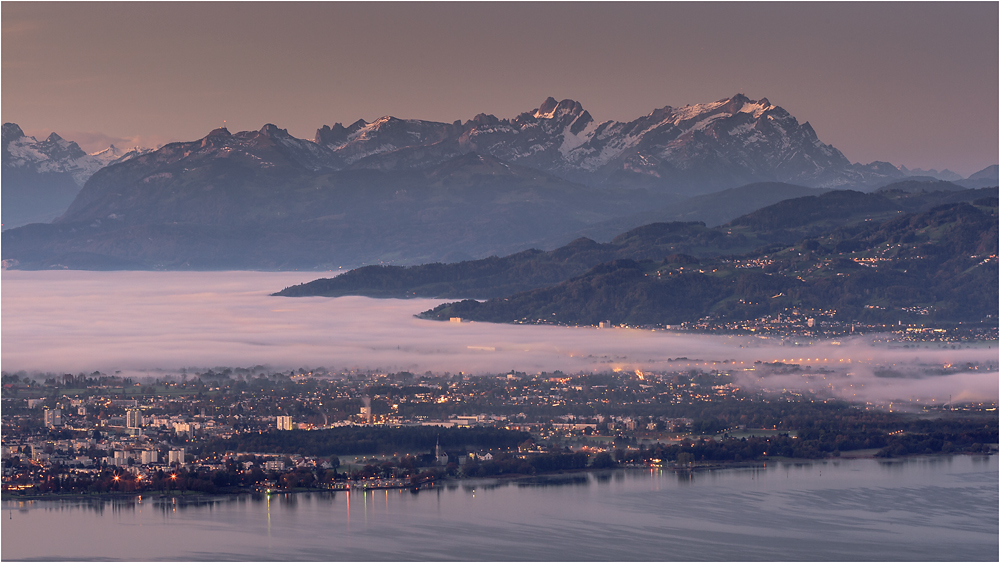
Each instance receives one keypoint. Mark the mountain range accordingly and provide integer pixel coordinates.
(690, 150)
(41, 178)
(248, 201)
(410, 191)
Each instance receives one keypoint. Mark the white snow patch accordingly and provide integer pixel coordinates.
(571, 141)
(25, 152)
(757, 109)
(690, 112)
(704, 123)
(742, 129)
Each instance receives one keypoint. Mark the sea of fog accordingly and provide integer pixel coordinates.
(155, 323)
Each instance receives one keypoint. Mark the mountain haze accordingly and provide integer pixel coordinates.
(781, 224)
(407, 191)
(41, 178)
(939, 265)
(263, 199)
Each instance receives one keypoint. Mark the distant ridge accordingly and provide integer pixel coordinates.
(712, 209)
(405, 191)
(939, 265)
(689, 150)
(786, 222)
(41, 178)
(926, 186)
(985, 178)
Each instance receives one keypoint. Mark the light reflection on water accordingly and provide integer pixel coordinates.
(933, 508)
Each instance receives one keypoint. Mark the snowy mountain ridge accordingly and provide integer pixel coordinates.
(692, 149)
(55, 155)
(689, 150)
(41, 178)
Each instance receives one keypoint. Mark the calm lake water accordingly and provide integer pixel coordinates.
(934, 508)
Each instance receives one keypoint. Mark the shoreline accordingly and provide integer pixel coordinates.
(509, 478)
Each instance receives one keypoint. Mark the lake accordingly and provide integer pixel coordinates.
(926, 508)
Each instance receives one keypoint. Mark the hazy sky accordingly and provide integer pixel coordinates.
(76, 321)
(915, 84)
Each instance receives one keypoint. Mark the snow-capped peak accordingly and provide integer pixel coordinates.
(114, 155)
(547, 109)
(550, 109)
(109, 153)
(56, 155)
(11, 131)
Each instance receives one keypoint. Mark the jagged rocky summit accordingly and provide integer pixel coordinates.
(41, 178)
(406, 191)
(689, 150)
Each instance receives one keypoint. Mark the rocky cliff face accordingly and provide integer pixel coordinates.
(688, 150)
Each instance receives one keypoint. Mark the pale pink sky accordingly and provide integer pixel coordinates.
(915, 84)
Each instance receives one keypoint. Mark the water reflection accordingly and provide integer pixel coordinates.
(922, 508)
(485, 485)
(555, 481)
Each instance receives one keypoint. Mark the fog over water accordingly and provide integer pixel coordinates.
(158, 322)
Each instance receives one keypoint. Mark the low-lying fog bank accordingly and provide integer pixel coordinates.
(76, 321)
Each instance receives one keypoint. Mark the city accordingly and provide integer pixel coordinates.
(253, 429)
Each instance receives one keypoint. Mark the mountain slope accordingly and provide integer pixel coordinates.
(407, 191)
(985, 178)
(784, 223)
(939, 265)
(41, 178)
(691, 150)
(916, 185)
(712, 209)
(495, 277)
(263, 199)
